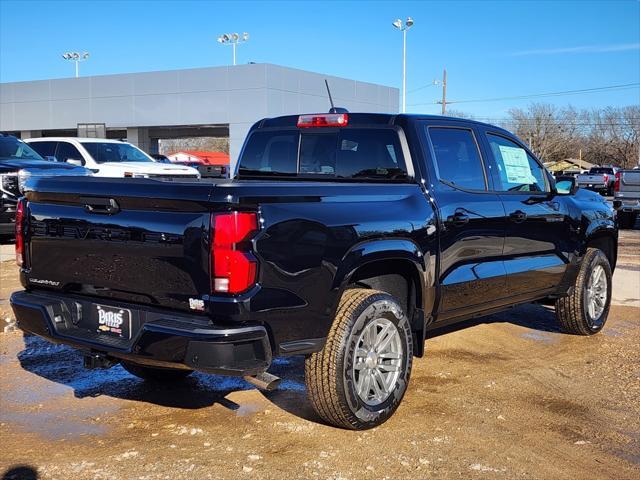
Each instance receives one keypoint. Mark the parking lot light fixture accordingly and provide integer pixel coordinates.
(76, 57)
(403, 27)
(233, 39)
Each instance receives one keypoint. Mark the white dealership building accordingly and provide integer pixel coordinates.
(211, 102)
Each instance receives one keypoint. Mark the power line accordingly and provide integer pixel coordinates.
(624, 86)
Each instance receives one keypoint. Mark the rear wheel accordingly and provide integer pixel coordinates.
(359, 378)
(156, 374)
(585, 311)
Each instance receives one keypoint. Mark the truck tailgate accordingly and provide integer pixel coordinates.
(143, 241)
(591, 179)
(630, 183)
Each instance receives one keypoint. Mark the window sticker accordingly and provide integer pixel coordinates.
(516, 165)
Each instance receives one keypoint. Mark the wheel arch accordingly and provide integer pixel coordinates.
(396, 267)
(606, 240)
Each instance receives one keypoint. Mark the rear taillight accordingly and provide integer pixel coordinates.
(616, 185)
(233, 267)
(606, 178)
(20, 232)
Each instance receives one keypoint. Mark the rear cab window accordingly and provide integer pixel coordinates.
(333, 154)
(607, 170)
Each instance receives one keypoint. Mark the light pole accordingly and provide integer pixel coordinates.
(233, 39)
(77, 58)
(403, 27)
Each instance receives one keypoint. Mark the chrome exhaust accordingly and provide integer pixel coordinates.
(264, 381)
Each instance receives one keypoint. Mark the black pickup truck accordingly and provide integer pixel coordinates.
(343, 237)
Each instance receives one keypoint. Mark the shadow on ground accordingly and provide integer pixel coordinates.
(20, 472)
(63, 365)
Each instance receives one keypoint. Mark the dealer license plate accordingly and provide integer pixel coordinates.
(113, 321)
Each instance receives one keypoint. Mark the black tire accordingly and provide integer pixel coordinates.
(330, 375)
(572, 311)
(627, 220)
(156, 374)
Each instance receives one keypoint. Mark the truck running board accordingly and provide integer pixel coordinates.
(264, 381)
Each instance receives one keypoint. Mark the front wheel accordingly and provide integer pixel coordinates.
(360, 376)
(585, 311)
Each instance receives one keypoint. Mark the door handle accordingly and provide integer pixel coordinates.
(104, 206)
(518, 216)
(458, 219)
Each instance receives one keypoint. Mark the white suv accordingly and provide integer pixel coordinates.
(108, 158)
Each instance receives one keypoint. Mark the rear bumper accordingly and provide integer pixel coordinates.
(593, 186)
(626, 205)
(157, 338)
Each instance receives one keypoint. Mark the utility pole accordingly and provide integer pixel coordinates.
(444, 92)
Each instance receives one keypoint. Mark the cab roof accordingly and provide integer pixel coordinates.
(75, 139)
(371, 119)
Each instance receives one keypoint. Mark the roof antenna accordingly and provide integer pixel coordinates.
(333, 109)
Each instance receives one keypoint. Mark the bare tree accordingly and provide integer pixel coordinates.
(609, 136)
(208, 144)
(543, 128)
(459, 114)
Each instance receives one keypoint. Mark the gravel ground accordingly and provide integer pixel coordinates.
(506, 396)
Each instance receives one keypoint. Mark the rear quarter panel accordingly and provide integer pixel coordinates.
(314, 235)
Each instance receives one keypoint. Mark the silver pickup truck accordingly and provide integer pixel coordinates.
(598, 179)
(626, 198)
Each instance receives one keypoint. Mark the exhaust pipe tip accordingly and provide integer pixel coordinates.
(264, 381)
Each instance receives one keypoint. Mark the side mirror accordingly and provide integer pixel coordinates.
(73, 161)
(566, 185)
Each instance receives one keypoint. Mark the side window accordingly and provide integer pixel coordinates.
(67, 151)
(45, 149)
(457, 157)
(516, 170)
